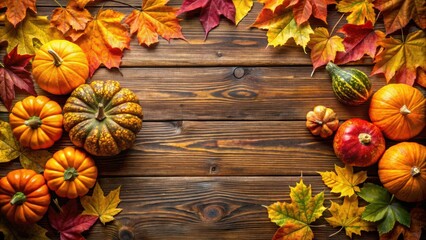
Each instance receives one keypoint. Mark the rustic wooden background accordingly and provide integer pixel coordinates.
(224, 133)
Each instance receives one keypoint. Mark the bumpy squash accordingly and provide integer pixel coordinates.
(351, 86)
(402, 170)
(399, 111)
(322, 121)
(102, 117)
(60, 66)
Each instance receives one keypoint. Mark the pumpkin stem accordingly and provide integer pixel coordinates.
(101, 113)
(33, 122)
(56, 59)
(415, 171)
(319, 122)
(70, 174)
(364, 138)
(18, 198)
(404, 110)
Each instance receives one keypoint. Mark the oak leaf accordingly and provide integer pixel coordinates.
(29, 34)
(359, 40)
(348, 216)
(418, 221)
(15, 72)
(104, 40)
(99, 205)
(70, 222)
(70, 17)
(323, 47)
(155, 19)
(32, 231)
(343, 180)
(397, 13)
(294, 218)
(401, 59)
(211, 10)
(360, 11)
(17, 10)
(282, 26)
(242, 8)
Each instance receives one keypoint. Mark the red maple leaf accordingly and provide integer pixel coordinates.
(359, 40)
(211, 10)
(14, 72)
(69, 221)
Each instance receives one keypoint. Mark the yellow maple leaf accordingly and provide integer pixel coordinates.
(242, 8)
(348, 217)
(324, 47)
(99, 205)
(155, 19)
(29, 34)
(345, 181)
(359, 9)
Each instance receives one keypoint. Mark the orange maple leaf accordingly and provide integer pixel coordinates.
(401, 59)
(17, 10)
(70, 17)
(82, 3)
(155, 19)
(104, 40)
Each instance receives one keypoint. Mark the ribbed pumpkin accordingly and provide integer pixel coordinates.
(36, 122)
(322, 121)
(399, 111)
(102, 117)
(402, 170)
(351, 86)
(60, 66)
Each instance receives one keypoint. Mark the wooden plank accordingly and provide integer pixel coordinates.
(230, 93)
(206, 208)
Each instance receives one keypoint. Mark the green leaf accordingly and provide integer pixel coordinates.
(375, 193)
(9, 147)
(35, 160)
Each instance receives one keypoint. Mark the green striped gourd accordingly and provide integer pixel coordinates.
(351, 86)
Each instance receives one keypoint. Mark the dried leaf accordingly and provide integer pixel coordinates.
(33, 231)
(211, 10)
(348, 216)
(34, 159)
(361, 11)
(99, 205)
(401, 59)
(359, 40)
(294, 218)
(418, 221)
(104, 40)
(343, 181)
(17, 10)
(304, 9)
(9, 147)
(242, 8)
(155, 19)
(323, 47)
(70, 17)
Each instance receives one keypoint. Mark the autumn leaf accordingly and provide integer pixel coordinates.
(383, 208)
(348, 216)
(418, 221)
(9, 147)
(34, 159)
(31, 231)
(14, 72)
(70, 17)
(343, 180)
(70, 222)
(155, 19)
(323, 47)
(99, 205)
(421, 77)
(304, 9)
(104, 40)
(359, 40)
(82, 3)
(360, 11)
(281, 27)
(17, 10)
(294, 218)
(211, 10)
(397, 13)
(28, 32)
(242, 8)
(401, 59)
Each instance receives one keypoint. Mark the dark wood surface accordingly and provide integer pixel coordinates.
(224, 133)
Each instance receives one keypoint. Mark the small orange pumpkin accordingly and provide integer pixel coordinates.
(399, 111)
(36, 122)
(402, 171)
(322, 121)
(60, 66)
(70, 173)
(24, 196)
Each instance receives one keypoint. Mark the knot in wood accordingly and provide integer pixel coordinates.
(212, 213)
(239, 72)
(126, 233)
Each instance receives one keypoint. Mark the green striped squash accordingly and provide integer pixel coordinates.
(351, 86)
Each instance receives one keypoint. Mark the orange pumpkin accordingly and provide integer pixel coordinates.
(399, 111)
(402, 171)
(60, 66)
(322, 121)
(24, 196)
(70, 173)
(36, 122)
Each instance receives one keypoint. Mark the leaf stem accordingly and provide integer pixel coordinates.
(56, 1)
(335, 25)
(378, 14)
(126, 4)
(334, 234)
